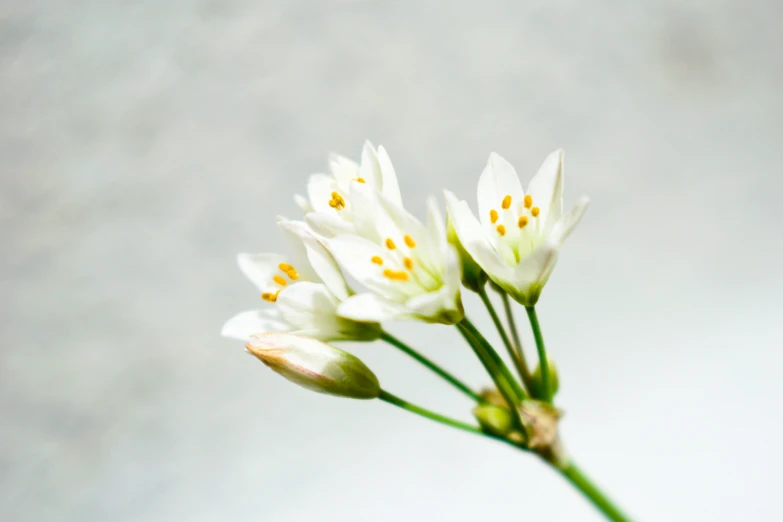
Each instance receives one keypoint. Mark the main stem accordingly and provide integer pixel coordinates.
(527, 378)
(543, 362)
(464, 388)
(580, 481)
(570, 471)
(519, 363)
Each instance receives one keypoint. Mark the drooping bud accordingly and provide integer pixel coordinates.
(315, 365)
(473, 277)
(537, 384)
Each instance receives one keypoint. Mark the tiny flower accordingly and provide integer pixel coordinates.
(315, 365)
(303, 291)
(329, 203)
(411, 271)
(517, 236)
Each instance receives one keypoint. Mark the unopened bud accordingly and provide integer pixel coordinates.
(538, 385)
(315, 365)
(473, 277)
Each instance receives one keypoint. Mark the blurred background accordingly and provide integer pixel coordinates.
(143, 144)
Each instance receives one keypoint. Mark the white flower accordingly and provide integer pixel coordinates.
(315, 365)
(517, 236)
(329, 203)
(411, 270)
(305, 290)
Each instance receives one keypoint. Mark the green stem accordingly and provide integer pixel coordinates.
(543, 362)
(418, 410)
(527, 378)
(493, 358)
(579, 480)
(519, 363)
(464, 388)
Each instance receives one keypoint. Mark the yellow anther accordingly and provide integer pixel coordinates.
(292, 274)
(522, 222)
(528, 201)
(408, 263)
(337, 201)
(501, 230)
(378, 260)
(506, 202)
(395, 275)
(269, 296)
(493, 216)
(390, 244)
(279, 280)
(360, 180)
(285, 267)
(535, 211)
(409, 241)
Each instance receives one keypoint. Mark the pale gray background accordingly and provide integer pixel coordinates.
(145, 143)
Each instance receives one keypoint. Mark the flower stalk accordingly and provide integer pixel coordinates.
(461, 386)
(543, 361)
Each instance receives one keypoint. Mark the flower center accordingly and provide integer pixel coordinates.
(527, 211)
(290, 272)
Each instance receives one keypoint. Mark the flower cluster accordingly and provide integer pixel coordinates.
(358, 259)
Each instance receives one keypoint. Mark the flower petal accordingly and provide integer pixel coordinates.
(328, 224)
(475, 241)
(532, 273)
(311, 307)
(343, 169)
(568, 222)
(497, 180)
(370, 169)
(391, 187)
(245, 324)
(355, 254)
(318, 257)
(260, 268)
(319, 190)
(546, 188)
(371, 308)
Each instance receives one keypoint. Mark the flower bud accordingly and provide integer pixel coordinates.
(315, 365)
(537, 385)
(473, 277)
(494, 419)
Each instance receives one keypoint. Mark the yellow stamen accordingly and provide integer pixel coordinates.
(409, 241)
(378, 260)
(522, 222)
(360, 180)
(506, 202)
(269, 296)
(493, 216)
(535, 212)
(390, 244)
(293, 275)
(501, 230)
(337, 201)
(528, 201)
(395, 275)
(285, 267)
(279, 280)
(408, 262)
